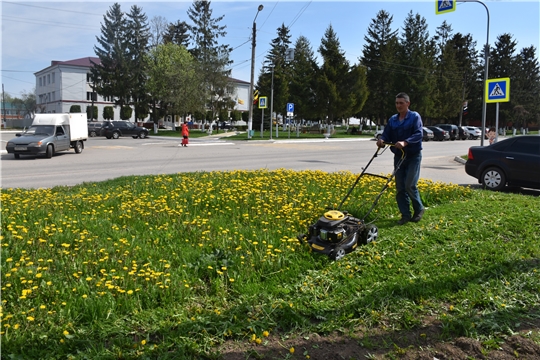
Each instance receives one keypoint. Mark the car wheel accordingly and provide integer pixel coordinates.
(92, 134)
(493, 179)
(115, 135)
(79, 146)
(379, 137)
(50, 151)
(370, 233)
(142, 135)
(338, 254)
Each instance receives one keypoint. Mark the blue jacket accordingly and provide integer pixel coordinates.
(409, 130)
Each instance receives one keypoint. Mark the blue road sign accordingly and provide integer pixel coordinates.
(290, 107)
(498, 90)
(444, 6)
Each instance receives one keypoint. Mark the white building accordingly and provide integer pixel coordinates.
(67, 83)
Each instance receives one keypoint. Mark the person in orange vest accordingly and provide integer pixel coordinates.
(185, 134)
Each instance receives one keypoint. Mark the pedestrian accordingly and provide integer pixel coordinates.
(404, 130)
(492, 136)
(185, 134)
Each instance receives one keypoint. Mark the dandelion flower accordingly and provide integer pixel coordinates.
(291, 350)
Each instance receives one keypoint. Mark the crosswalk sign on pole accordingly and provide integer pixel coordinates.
(262, 102)
(444, 6)
(497, 90)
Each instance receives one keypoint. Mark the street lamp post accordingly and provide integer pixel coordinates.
(272, 104)
(250, 119)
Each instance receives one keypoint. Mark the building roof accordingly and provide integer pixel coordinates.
(82, 62)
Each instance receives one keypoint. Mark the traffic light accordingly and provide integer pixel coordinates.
(255, 97)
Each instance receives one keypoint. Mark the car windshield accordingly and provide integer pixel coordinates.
(39, 130)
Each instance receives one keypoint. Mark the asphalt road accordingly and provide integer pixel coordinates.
(104, 159)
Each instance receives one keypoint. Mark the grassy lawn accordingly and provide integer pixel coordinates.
(282, 135)
(172, 266)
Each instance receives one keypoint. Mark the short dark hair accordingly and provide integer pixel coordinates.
(403, 96)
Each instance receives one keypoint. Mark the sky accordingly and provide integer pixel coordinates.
(34, 33)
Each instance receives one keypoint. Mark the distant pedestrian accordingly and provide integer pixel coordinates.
(185, 134)
(492, 136)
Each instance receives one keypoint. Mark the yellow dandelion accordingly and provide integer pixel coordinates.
(266, 333)
(291, 350)
(65, 333)
(143, 342)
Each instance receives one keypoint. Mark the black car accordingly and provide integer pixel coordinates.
(514, 161)
(438, 133)
(94, 128)
(115, 129)
(452, 129)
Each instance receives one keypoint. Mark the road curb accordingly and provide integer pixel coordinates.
(460, 160)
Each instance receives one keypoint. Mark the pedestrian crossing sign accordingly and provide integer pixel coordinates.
(497, 90)
(262, 102)
(444, 6)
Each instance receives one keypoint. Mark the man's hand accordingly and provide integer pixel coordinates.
(380, 143)
(400, 144)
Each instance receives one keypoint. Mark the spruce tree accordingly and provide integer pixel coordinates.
(379, 57)
(303, 81)
(213, 57)
(111, 75)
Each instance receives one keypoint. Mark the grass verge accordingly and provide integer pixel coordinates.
(171, 266)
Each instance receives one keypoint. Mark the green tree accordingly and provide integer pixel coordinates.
(137, 36)
(448, 91)
(174, 80)
(379, 57)
(213, 57)
(111, 76)
(525, 86)
(503, 63)
(333, 90)
(282, 71)
(417, 61)
(125, 112)
(471, 72)
(303, 82)
(177, 33)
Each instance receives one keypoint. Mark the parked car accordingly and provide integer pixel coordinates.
(473, 131)
(463, 134)
(452, 129)
(428, 134)
(115, 129)
(438, 133)
(378, 134)
(513, 161)
(94, 128)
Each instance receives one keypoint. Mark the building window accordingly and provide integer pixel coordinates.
(48, 79)
(53, 93)
(88, 77)
(53, 77)
(91, 96)
(40, 81)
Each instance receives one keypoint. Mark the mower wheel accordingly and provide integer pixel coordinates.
(370, 233)
(338, 254)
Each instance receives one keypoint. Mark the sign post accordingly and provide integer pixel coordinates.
(497, 90)
(444, 6)
(290, 114)
(262, 105)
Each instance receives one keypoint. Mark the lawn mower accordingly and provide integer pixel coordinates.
(337, 233)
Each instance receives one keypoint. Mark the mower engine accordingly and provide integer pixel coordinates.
(336, 234)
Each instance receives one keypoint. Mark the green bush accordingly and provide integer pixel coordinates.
(125, 112)
(92, 112)
(75, 109)
(108, 113)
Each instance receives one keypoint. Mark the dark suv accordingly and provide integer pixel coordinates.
(115, 129)
(94, 128)
(452, 130)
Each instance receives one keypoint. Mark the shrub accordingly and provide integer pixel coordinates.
(75, 109)
(108, 113)
(125, 112)
(92, 112)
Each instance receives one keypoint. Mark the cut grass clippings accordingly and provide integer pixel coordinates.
(172, 266)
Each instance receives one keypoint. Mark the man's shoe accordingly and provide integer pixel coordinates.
(418, 217)
(403, 220)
